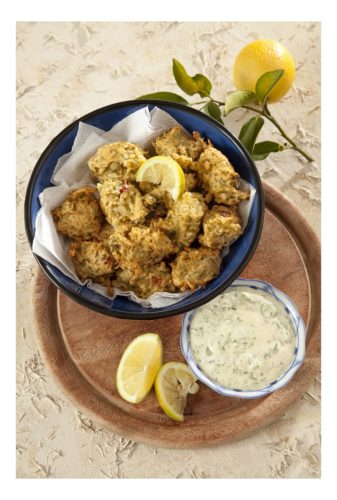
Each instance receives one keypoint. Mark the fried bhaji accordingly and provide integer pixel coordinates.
(219, 179)
(92, 259)
(153, 279)
(183, 221)
(121, 202)
(180, 145)
(139, 247)
(80, 215)
(194, 267)
(163, 199)
(221, 226)
(119, 160)
(191, 181)
(105, 232)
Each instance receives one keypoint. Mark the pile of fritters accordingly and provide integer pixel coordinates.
(134, 236)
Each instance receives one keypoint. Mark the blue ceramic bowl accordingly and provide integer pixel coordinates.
(299, 352)
(104, 118)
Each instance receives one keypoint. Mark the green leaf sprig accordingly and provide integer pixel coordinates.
(201, 85)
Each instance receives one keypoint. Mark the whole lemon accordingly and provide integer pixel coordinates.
(261, 56)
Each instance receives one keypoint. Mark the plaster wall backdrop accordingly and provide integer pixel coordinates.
(65, 70)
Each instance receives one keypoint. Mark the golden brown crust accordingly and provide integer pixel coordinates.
(139, 246)
(106, 231)
(183, 221)
(163, 199)
(194, 267)
(150, 280)
(121, 202)
(180, 145)
(219, 179)
(80, 215)
(92, 259)
(118, 160)
(221, 226)
(191, 181)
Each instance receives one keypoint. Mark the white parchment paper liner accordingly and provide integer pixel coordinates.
(71, 172)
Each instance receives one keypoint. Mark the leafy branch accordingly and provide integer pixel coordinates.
(254, 101)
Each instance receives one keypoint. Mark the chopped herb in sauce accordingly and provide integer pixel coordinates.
(243, 339)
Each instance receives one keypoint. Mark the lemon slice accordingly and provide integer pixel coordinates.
(165, 171)
(172, 385)
(139, 366)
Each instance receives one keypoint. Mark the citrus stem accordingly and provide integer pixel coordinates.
(199, 102)
(266, 113)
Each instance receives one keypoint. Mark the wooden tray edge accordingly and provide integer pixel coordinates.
(274, 199)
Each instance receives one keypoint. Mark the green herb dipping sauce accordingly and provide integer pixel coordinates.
(243, 339)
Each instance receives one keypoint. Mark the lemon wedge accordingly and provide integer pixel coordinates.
(139, 366)
(165, 171)
(172, 385)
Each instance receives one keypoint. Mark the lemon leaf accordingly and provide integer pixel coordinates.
(164, 96)
(239, 98)
(266, 83)
(213, 109)
(250, 131)
(197, 84)
(262, 149)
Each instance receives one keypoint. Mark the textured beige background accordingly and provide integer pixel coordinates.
(65, 70)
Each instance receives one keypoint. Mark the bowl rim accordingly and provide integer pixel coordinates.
(151, 313)
(284, 378)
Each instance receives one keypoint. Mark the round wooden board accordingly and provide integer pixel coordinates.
(82, 348)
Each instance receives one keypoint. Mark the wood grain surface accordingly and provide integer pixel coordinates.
(82, 348)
